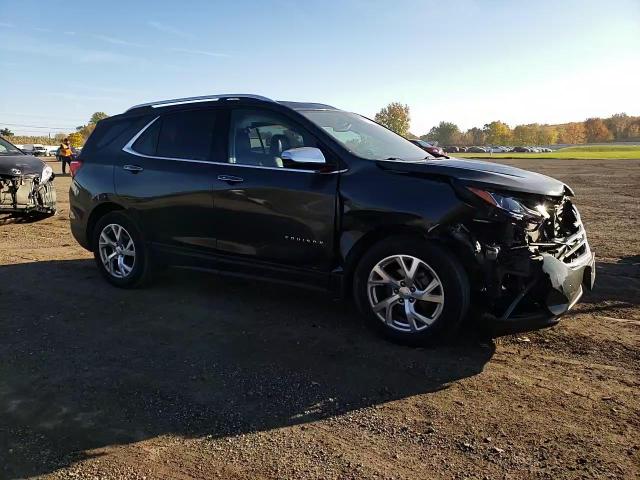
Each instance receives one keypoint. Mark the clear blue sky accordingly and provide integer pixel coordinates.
(467, 61)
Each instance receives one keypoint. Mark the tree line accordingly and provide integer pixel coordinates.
(397, 117)
(618, 127)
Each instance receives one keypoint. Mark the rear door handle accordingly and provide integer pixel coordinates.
(133, 168)
(230, 179)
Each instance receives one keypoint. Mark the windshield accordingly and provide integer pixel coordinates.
(365, 138)
(7, 149)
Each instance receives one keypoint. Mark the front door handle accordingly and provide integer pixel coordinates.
(230, 179)
(133, 168)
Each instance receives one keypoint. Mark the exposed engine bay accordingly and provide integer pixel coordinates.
(26, 183)
(27, 194)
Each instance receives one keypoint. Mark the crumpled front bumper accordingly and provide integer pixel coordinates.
(562, 285)
(24, 195)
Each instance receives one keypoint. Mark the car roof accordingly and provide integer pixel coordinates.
(243, 97)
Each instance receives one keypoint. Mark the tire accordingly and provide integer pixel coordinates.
(135, 270)
(437, 305)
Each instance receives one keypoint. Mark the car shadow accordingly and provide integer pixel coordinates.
(616, 283)
(86, 365)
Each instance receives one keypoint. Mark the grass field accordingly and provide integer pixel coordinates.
(586, 152)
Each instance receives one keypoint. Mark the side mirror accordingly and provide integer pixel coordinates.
(304, 155)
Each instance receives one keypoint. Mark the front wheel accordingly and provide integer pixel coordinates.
(411, 290)
(120, 252)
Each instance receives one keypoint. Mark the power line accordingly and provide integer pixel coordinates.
(34, 115)
(34, 126)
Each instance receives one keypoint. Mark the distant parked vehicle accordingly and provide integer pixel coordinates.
(34, 149)
(51, 150)
(428, 147)
(496, 149)
(521, 149)
(476, 150)
(451, 149)
(462, 149)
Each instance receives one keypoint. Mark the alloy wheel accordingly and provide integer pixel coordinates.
(405, 293)
(117, 250)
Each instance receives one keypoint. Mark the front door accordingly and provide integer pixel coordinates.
(166, 178)
(266, 209)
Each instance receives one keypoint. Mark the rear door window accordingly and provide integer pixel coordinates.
(185, 135)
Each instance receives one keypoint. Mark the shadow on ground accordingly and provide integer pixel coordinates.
(85, 365)
(616, 284)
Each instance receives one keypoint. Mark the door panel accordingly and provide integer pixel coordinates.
(166, 176)
(266, 208)
(172, 199)
(277, 215)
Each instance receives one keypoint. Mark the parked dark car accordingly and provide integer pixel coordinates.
(451, 149)
(430, 148)
(476, 150)
(306, 194)
(521, 149)
(26, 183)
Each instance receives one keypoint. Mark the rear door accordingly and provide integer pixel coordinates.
(166, 176)
(269, 211)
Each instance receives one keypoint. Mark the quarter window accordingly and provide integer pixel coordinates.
(259, 138)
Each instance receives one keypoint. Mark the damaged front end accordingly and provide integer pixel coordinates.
(27, 193)
(528, 255)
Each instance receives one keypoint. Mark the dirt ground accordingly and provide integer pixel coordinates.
(202, 376)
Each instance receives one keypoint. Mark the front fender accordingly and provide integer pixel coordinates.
(381, 206)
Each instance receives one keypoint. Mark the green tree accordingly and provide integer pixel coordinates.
(618, 124)
(633, 131)
(445, 133)
(546, 135)
(5, 132)
(395, 116)
(476, 136)
(97, 116)
(524, 134)
(596, 130)
(498, 133)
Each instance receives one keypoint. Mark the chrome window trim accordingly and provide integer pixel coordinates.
(128, 148)
(202, 98)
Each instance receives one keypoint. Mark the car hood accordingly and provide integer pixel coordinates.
(26, 164)
(483, 174)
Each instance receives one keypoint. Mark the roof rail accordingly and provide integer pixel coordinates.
(204, 98)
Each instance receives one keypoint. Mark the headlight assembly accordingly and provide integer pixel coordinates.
(514, 208)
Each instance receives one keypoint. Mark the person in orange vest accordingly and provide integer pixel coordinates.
(65, 154)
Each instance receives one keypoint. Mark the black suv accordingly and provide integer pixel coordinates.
(307, 194)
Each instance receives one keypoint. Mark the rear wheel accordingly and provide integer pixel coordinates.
(120, 252)
(411, 291)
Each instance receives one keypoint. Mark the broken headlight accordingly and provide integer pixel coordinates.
(510, 205)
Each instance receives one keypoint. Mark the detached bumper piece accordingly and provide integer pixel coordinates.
(26, 195)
